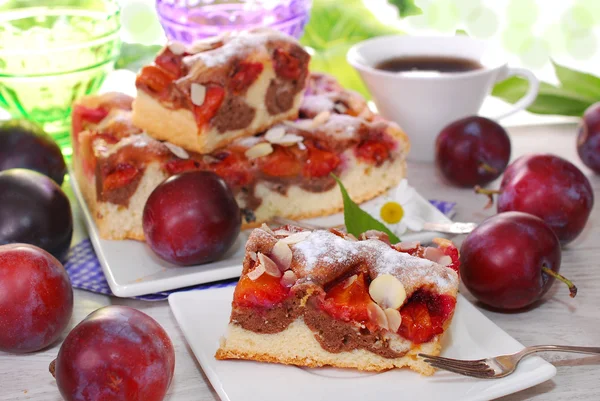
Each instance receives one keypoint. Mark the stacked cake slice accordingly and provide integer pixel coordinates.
(245, 107)
(204, 96)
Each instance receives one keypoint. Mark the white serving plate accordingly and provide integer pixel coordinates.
(132, 269)
(203, 316)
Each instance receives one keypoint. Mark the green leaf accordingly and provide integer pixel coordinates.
(550, 99)
(577, 81)
(406, 7)
(134, 56)
(461, 32)
(358, 221)
(330, 33)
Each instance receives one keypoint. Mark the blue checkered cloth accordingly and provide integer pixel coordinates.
(86, 273)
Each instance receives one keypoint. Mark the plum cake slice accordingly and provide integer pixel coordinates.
(206, 95)
(285, 171)
(326, 298)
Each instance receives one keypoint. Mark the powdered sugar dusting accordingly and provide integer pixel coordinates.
(341, 126)
(314, 104)
(236, 45)
(323, 252)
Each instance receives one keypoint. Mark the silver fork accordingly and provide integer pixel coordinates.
(448, 228)
(500, 366)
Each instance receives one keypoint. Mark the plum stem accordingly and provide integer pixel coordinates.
(569, 283)
(52, 368)
(487, 168)
(489, 193)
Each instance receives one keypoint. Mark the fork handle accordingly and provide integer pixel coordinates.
(559, 348)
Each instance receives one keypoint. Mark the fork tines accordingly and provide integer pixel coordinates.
(478, 368)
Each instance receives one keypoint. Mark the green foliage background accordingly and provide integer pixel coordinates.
(332, 30)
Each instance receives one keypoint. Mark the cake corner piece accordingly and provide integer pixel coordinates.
(206, 95)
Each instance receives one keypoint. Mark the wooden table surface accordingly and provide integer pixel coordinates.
(559, 320)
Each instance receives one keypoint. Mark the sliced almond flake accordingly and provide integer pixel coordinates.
(442, 242)
(177, 48)
(275, 133)
(351, 237)
(288, 279)
(301, 146)
(406, 245)
(248, 141)
(256, 272)
(296, 238)
(394, 319)
(259, 150)
(304, 125)
(321, 118)
(210, 159)
(377, 315)
(270, 266)
(253, 256)
(433, 254)
(266, 228)
(349, 281)
(282, 233)
(203, 45)
(198, 94)
(445, 260)
(289, 139)
(340, 108)
(177, 151)
(282, 255)
(387, 291)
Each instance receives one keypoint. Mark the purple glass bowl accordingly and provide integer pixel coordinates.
(188, 20)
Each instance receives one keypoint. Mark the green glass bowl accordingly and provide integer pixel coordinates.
(51, 55)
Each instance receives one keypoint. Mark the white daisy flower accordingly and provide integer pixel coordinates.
(398, 209)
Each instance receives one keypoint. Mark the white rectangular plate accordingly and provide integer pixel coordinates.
(203, 316)
(132, 269)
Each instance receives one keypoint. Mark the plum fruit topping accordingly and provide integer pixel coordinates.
(23, 144)
(472, 151)
(116, 353)
(36, 298)
(511, 260)
(424, 315)
(549, 187)
(348, 302)
(191, 218)
(588, 138)
(34, 210)
(264, 292)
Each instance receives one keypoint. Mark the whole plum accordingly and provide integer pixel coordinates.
(549, 187)
(116, 353)
(34, 210)
(24, 144)
(191, 218)
(472, 151)
(511, 260)
(588, 138)
(36, 298)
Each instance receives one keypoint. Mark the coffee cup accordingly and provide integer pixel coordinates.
(423, 102)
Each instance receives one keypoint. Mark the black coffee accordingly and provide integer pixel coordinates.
(428, 63)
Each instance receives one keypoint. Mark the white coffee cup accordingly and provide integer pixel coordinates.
(424, 102)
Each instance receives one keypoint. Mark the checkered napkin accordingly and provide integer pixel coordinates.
(86, 273)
